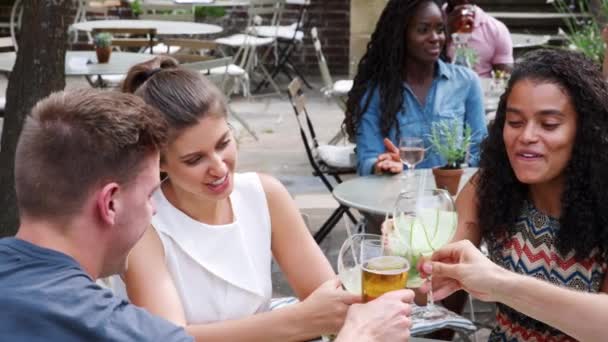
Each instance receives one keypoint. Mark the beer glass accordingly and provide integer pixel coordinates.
(381, 273)
(366, 249)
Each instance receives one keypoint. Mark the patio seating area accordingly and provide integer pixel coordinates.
(268, 68)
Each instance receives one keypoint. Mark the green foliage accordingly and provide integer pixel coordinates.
(136, 8)
(209, 12)
(449, 141)
(584, 33)
(103, 39)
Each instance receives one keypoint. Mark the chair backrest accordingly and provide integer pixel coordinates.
(270, 9)
(122, 37)
(15, 21)
(307, 131)
(190, 50)
(208, 64)
(166, 10)
(325, 75)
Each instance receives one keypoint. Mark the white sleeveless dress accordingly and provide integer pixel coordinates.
(221, 272)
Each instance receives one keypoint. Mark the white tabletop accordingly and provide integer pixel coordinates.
(76, 62)
(377, 194)
(162, 27)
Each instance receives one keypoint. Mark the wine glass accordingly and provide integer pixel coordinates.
(365, 267)
(411, 152)
(423, 221)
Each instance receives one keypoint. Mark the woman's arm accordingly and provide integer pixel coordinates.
(293, 247)
(148, 281)
(582, 315)
(370, 141)
(466, 207)
(475, 118)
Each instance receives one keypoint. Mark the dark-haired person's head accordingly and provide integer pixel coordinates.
(550, 131)
(408, 32)
(89, 158)
(200, 157)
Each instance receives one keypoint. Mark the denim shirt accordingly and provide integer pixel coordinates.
(454, 94)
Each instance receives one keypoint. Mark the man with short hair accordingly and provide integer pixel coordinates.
(86, 165)
(490, 39)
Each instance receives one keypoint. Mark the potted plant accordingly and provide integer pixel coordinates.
(451, 142)
(103, 46)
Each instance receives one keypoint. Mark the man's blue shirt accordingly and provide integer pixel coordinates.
(454, 94)
(46, 296)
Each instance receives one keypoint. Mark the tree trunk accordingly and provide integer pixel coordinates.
(39, 70)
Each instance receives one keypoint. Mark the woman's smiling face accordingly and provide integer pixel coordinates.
(202, 159)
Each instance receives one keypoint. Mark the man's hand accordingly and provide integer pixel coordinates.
(388, 161)
(461, 15)
(605, 35)
(383, 319)
(460, 265)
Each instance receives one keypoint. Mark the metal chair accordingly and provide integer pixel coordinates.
(289, 37)
(247, 56)
(194, 54)
(320, 167)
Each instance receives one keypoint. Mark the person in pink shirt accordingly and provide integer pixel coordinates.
(490, 38)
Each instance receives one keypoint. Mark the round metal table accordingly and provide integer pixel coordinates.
(162, 27)
(377, 194)
(84, 63)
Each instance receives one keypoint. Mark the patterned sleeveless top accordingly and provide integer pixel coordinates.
(532, 250)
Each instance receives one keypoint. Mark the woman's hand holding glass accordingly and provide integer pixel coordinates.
(326, 307)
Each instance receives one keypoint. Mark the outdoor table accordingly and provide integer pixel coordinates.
(84, 63)
(522, 40)
(376, 194)
(163, 27)
(214, 3)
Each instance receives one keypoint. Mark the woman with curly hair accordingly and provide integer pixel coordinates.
(540, 198)
(402, 87)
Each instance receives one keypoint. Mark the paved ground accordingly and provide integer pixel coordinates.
(280, 152)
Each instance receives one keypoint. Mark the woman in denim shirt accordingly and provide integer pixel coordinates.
(402, 87)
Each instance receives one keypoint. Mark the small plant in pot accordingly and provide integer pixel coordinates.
(452, 142)
(103, 46)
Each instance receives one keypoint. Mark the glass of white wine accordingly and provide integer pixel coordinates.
(411, 152)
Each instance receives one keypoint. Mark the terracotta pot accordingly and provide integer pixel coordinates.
(448, 179)
(103, 54)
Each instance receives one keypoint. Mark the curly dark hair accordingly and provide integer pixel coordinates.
(382, 66)
(584, 201)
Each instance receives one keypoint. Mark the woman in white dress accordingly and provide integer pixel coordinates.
(206, 261)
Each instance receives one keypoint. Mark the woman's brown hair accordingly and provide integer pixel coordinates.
(183, 96)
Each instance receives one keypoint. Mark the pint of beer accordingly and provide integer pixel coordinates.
(382, 274)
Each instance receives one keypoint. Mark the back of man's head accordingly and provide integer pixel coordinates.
(74, 140)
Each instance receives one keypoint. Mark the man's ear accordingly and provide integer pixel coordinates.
(107, 202)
